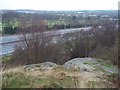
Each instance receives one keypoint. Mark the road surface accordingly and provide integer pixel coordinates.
(7, 43)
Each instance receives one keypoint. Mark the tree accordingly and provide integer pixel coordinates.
(37, 46)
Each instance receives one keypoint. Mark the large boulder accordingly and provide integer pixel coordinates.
(44, 65)
(91, 64)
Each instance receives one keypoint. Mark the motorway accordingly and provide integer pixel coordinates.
(7, 43)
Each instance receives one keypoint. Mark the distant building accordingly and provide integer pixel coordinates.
(105, 16)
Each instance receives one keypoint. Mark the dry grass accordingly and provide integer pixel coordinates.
(57, 77)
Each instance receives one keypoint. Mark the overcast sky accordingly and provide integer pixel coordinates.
(60, 4)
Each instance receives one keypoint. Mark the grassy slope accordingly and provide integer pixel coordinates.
(57, 77)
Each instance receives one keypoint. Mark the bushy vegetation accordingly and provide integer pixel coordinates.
(98, 43)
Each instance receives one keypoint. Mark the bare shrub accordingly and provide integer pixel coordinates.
(99, 43)
(36, 46)
(79, 45)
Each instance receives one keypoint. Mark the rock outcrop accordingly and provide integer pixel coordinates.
(76, 73)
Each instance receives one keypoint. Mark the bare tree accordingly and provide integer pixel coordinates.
(36, 45)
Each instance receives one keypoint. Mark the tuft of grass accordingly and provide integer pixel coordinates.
(15, 80)
(90, 63)
(52, 84)
(42, 82)
(91, 84)
(111, 77)
(60, 68)
(5, 58)
(98, 84)
(107, 65)
(66, 82)
(98, 68)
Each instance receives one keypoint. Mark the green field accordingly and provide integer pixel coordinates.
(51, 23)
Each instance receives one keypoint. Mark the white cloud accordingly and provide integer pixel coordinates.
(59, 4)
